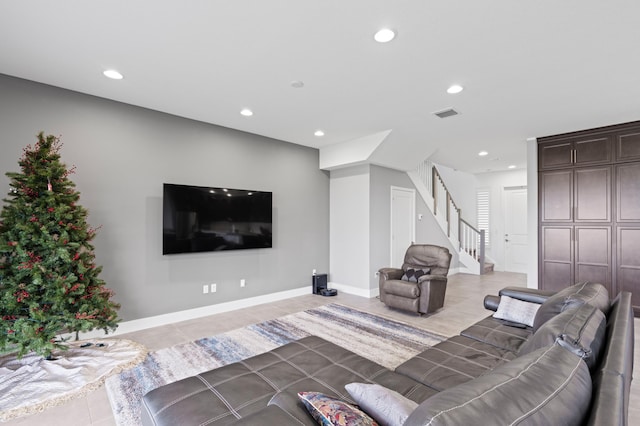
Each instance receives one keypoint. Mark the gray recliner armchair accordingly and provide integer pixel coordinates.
(421, 284)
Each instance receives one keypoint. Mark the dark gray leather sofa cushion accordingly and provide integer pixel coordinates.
(454, 361)
(271, 415)
(581, 329)
(578, 294)
(539, 388)
(499, 333)
(226, 394)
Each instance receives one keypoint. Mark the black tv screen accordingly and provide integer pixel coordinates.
(199, 219)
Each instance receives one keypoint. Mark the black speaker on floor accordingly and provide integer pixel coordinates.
(319, 283)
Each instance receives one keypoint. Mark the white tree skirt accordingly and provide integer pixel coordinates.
(32, 384)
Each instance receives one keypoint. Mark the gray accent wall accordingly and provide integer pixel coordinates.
(124, 154)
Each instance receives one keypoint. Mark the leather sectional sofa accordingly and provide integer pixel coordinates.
(572, 366)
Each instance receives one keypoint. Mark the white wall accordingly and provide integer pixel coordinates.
(349, 229)
(427, 230)
(495, 182)
(462, 187)
(361, 226)
(532, 212)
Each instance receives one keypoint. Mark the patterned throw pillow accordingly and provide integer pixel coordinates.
(330, 411)
(412, 275)
(515, 310)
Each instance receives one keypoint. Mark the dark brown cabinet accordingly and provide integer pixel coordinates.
(589, 209)
(628, 145)
(580, 195)
(572, 151)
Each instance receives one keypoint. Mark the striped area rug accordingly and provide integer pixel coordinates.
(382, 340)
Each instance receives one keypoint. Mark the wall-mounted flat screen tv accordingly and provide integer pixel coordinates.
(199, 219)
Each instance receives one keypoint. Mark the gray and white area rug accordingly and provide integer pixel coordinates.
(379, 339)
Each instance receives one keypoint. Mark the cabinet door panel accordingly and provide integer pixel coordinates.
(593, 255)
(628, 192)
(556, 196)
(628, 264)
(556, 276)
(593, 151)
(555, 155)
(593, 194)
(556, 257)
(628, 146)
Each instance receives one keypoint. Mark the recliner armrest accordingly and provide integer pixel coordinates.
(526, 294)
(429, 277)
(391, 273)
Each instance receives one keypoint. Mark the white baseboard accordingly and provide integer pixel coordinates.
(362, 292)
(189, 314)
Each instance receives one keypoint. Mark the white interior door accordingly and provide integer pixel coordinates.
(515, 230)
(403, 207)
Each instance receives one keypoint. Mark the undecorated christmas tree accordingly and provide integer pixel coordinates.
(49, 283)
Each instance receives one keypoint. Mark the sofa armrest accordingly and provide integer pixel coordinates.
(491, 302)
(613, 375)
(526, 294)
(391, 273)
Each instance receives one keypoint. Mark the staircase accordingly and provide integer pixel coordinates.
(469, 241)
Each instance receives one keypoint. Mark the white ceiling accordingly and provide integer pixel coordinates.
(529, 69)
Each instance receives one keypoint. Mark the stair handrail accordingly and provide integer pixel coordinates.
(449, 200)
(470, 239)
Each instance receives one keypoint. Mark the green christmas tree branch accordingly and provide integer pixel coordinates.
(49, 282)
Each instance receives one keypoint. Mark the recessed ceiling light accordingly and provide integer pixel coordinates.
(384, 35)
(113, 74)
(483, 153)
(319, 133)
(512, 166)
(246, 112)
(456, 88)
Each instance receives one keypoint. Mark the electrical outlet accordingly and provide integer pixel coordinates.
(214, 287)
(205, 289)
(242, 282)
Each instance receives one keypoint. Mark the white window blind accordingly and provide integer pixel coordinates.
(483, 210)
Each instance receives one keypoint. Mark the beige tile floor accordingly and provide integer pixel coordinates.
(463, 307)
